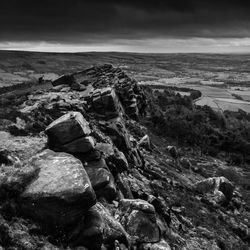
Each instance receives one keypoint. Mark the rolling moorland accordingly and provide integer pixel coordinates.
(124, 156)
(222, 79)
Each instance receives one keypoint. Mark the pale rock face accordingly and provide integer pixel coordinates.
(61, 192)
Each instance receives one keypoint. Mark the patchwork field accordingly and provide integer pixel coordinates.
(222, 79)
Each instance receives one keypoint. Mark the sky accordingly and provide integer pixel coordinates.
(155, 26)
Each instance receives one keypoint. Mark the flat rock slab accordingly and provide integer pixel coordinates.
(61, 193)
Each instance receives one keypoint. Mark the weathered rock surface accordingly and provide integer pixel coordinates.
(61, 193)
(48, 202)
(219, 186)
(69, 133)
(101, 179)
(113, 230)
(139, 220)
(115, 158)
(67, 128)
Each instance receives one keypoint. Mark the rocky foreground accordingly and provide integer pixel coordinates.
(80, 171)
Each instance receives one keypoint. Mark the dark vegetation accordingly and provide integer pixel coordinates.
(214, 133)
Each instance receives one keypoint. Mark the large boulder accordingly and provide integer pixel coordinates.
(115, 128)
(97, 227)
(139, 220)
(116, 159)
(113, 230)
(105, 102)
(89, 232)
(61, 193)
(219, 186)
(69, 133)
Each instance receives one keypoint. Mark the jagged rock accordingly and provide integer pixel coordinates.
(89, 232)
(61, 193)
(115, 158)
(67, 128)
(105, 102)
(216, 185)
(69, 134)
(113, 230)
(139, 220)
(140, 226)
(115, 128)
(101, 179)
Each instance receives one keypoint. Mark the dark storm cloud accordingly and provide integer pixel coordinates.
(80, 20)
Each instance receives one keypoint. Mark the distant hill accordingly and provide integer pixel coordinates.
(20, 66)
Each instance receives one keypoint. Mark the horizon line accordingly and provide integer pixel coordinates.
(124, 52)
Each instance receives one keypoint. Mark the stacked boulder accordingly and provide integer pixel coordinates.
(80, 187)
(108, 82)
(105, 103)
(61, 192)
(70, 133)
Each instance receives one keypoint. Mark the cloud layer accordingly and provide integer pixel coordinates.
(110, 21)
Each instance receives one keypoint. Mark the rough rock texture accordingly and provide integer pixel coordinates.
(144, 190)
(69, 133)
(101, 179)
(219, 186)
(67, 128)
(61, 192)
(139, 219)
(102, 78)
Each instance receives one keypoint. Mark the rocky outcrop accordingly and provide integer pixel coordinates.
(60, 194)
(104, 181)
(105, 103)
(69, 133)
(104, 98)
